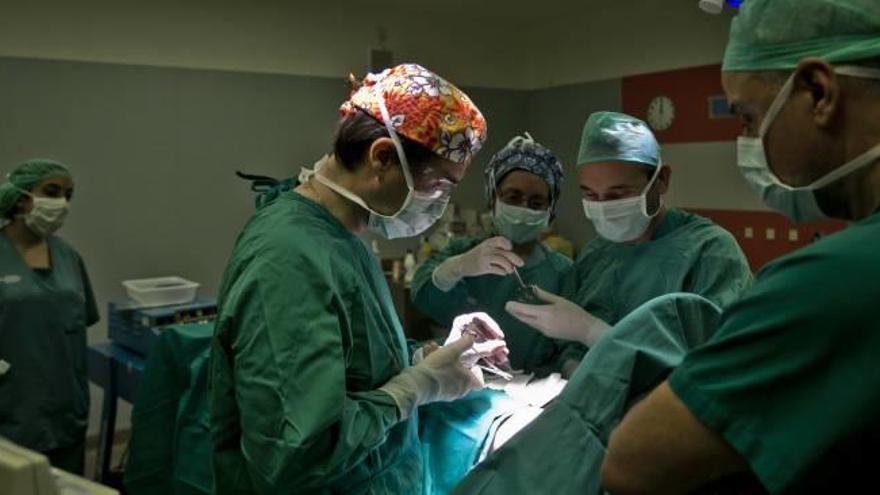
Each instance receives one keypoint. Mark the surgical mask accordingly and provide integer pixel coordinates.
(622, 220)
(419, 210)
(47, 215)
(520, 225)
(797, 203)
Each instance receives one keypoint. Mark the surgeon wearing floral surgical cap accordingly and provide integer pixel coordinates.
(312, 390)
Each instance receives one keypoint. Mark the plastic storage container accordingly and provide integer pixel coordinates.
(162, 291)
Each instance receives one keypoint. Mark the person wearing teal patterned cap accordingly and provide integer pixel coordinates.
(623, 181)
(785, 395)
(46, 306)
(522, 182)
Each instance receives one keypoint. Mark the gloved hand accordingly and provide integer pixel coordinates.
(423, 351)
(559, 319)
(492, 256)
(440, 376)
(489, 340)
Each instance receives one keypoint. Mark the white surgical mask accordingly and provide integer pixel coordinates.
(520, 225)
(47, 215)
(419, 210)
(622, 220)
(797, 203)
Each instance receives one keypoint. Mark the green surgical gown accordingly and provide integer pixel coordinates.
(791, 379)
(306, 334)
(688, 253)
(529, 349)
(453, 433)
(170, 443)
(44, 314)
(561, 451)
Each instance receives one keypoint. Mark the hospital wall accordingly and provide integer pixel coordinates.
(328, 39)
(479, 44)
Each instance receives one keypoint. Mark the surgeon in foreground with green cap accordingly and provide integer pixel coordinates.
(786, 392)
(644, 250)
(46, 305)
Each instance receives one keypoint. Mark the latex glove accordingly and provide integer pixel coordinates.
(423, 351)
(489, 344)
(440, 376)
(493, 256)
(559, 318)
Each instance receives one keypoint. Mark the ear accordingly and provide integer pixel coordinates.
(24, 204)
(381, 157)
(818, 79)
(664, 178)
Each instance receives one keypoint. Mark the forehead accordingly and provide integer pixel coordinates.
(610, 174)
(56, 182)
(523, 181)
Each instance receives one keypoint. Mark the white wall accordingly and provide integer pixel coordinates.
(328, 38)
(611, 39)
(506, 44)
(704, 175)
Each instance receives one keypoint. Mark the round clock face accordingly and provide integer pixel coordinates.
(661, 113)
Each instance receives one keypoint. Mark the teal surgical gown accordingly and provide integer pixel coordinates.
(561, 451)
(791, 378)
(170, 442)
(44, 314)
(529, 349)
(306, 334)
(454, 433)
(688, 253)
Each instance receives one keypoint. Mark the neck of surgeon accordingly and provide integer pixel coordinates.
(350, 214)
(21, 235)
(652, 227)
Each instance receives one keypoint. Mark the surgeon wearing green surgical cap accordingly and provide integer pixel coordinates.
(46, 305)
(645, 249)
(785, 396)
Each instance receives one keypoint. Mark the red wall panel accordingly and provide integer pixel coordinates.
(689, 90)
(787, 236)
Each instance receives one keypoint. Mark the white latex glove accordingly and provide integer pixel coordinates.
(493, 256)
(490, 344)
(440, 376)
(559, 319)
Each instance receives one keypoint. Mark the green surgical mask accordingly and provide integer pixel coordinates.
(520, 225)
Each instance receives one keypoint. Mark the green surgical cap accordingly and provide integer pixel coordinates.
(617, 137)
(27, 176)
(778, 34)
